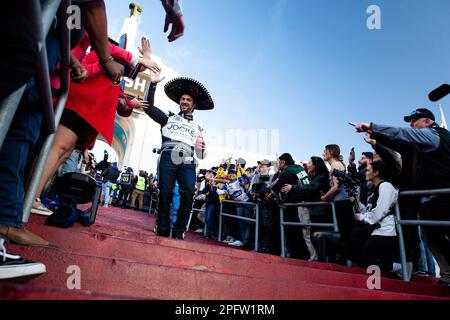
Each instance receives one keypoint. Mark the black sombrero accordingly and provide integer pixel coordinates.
(175, 88)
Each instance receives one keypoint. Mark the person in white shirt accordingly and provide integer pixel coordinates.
(382, 247)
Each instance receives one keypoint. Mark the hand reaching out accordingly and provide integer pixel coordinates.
(147, 63)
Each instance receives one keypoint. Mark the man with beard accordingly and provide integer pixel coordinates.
(360, 173)
(181, 141)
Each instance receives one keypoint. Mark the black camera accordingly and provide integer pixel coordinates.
(200, 179)
(345, 180)
(202, 171)
(260, 188)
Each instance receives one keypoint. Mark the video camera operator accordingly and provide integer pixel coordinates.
(260, 191)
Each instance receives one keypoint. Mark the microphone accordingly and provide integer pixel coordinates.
(439, 93)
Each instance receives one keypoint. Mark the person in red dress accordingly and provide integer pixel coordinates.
(91, 107)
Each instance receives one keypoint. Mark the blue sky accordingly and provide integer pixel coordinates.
(305, 67)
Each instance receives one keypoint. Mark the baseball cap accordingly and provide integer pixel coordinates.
(265, 162)
(241, 161)
(420, 113)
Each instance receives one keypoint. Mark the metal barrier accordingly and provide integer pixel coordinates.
(42, 20)
(418, 222)
(256, 220)
(190, 217)
(152, 198)
(333, 225)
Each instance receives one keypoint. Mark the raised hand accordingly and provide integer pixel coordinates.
(145, 49)
(177, 30)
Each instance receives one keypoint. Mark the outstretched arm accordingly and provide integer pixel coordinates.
(94, 20)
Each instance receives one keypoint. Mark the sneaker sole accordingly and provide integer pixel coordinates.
(41, 212)
(10, 272)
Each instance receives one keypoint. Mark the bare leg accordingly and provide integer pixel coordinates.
(64, 144)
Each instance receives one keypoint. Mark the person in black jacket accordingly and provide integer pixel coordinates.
(110, 176)
(319, 176)
(426, 147)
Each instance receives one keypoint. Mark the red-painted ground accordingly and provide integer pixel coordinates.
(121, 258)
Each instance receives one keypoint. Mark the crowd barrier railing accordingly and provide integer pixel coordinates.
(153, 198)
(190, 216)
(42, 18)
(283, 223)
(232, 216)
(400, 223)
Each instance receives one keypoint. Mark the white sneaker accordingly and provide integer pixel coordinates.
(236, 243)
(229, 240)
(41, 209)
(12, 266)
(199, 231)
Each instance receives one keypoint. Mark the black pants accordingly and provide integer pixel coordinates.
(381, 251)
(268, 221)
(168, 173)
(409, 209)
(294, 237)
(123, 195)
(231, 224)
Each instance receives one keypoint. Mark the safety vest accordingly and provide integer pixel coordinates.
(140, 185)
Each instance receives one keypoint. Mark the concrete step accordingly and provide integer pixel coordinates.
(139, 280)
(222, 259)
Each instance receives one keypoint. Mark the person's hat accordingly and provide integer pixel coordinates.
(287, 157)
(265, 162)
(231, 171)
(175, 88)
(241, 161)
(420, 113)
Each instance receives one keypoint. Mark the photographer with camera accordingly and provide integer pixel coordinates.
(382, 247)
(260, 191)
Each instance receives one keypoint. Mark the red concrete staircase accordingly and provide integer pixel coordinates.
(121, 258)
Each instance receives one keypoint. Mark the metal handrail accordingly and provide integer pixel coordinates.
(256, 220)
(400, 223)
(52, 116)
(282, 207)
(190, 217)
(152, 198)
